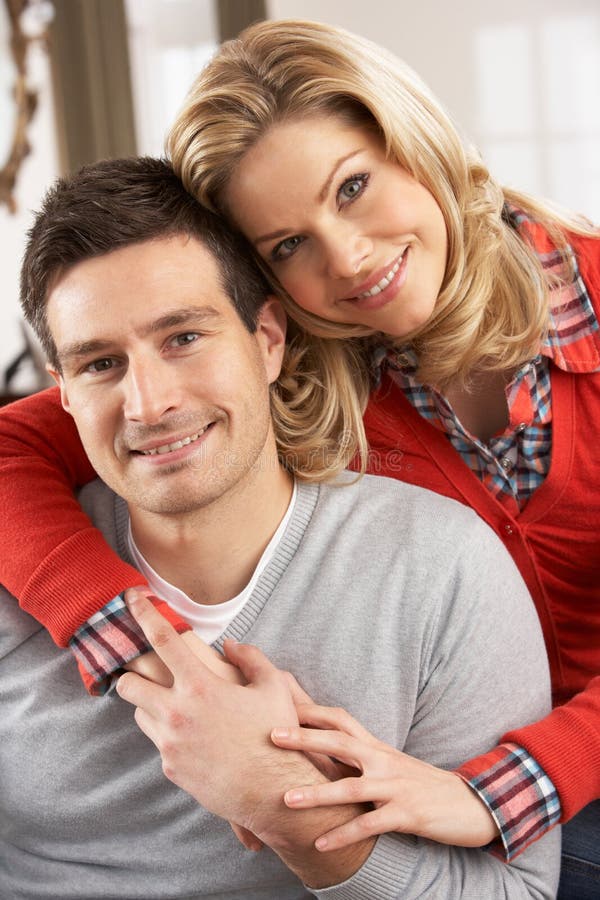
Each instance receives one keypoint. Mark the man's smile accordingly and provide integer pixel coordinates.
(170, 446)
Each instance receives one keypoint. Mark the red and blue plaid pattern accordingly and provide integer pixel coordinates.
(106, 642)
(519, 795)
(514, 463)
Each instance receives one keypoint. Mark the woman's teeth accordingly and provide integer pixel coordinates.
(176, 445)
(381, 285)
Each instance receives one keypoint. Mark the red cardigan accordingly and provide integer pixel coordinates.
(555, 542)
(64, 571)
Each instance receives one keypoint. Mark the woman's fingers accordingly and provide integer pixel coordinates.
(333, 718)
(336, 793)
(369, 824)
(337, 744)
(162, 637)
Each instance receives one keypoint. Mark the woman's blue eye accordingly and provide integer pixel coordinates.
(352, 188)
(287, 247)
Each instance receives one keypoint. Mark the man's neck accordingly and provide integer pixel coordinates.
(210, 554)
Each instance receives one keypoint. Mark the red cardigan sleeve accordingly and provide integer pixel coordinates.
(54, 561)
(570, 729)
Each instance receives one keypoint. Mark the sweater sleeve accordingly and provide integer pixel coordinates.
(55, 562)
(565, 744)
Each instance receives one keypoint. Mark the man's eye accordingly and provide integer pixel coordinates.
(285, 248)
(182, 340)
(100, 365)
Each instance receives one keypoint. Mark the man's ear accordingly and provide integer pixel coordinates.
(64, 399)
(271, 325)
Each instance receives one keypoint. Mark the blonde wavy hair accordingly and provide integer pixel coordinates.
(492, 309)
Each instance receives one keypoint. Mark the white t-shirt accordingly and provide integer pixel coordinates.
(208, 620)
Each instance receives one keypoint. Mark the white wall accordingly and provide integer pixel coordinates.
(520, 77)
(38, 171)
(169, 42)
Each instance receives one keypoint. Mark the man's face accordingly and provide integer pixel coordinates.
(168, 389)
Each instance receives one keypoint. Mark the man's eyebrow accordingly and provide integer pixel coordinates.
(321, 196)
(193, 315)
(80, 349)
(197, 315)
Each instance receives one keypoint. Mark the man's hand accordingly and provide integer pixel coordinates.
(409, 795)
(214, 740)
(204, 726)
(151, 666)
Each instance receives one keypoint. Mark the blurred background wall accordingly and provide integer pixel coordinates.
(520, 78)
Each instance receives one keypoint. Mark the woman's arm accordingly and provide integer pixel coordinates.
(54, 561)
(405, 794)
(564, 749)
(539, 775)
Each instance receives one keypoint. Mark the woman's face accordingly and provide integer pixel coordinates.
(350, 235)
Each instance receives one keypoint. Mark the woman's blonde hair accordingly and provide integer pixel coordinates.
(492, 309)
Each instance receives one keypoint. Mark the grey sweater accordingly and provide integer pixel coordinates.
(389, 600)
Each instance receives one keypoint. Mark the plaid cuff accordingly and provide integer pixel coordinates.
(519, 795)
(106, 642)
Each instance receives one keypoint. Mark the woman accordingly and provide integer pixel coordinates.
(479, 309)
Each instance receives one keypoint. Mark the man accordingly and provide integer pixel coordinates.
(164, 346)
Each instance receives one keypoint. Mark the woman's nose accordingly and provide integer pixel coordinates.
(346, 254)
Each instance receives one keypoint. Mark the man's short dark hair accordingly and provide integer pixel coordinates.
(116, 203)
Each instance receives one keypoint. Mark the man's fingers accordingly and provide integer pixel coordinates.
(141, 692)
(251, 661)
(163, 638)
(299, 695)
(246, 837)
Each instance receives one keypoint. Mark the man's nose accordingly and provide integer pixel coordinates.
(346, 254)
(150, 391)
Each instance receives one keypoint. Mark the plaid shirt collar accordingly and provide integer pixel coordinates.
(513, 464)
(572, 322)
(570, 340)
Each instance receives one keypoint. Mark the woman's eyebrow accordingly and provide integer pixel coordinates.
(340, 162)
(321, 196)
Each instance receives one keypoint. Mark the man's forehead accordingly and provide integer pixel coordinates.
(175, 275)
(175, 253)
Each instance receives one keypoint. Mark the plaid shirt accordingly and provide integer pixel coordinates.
(514, 463)
(516, 790)
(519, 795)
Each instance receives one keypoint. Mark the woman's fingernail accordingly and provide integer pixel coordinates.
(294, 796)
(321, 843)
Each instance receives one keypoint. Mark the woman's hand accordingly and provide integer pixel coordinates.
(408, 795)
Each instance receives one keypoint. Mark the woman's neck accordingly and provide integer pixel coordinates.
(482, 410)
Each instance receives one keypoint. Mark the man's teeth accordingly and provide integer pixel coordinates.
(381, 285)
(176, 445)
